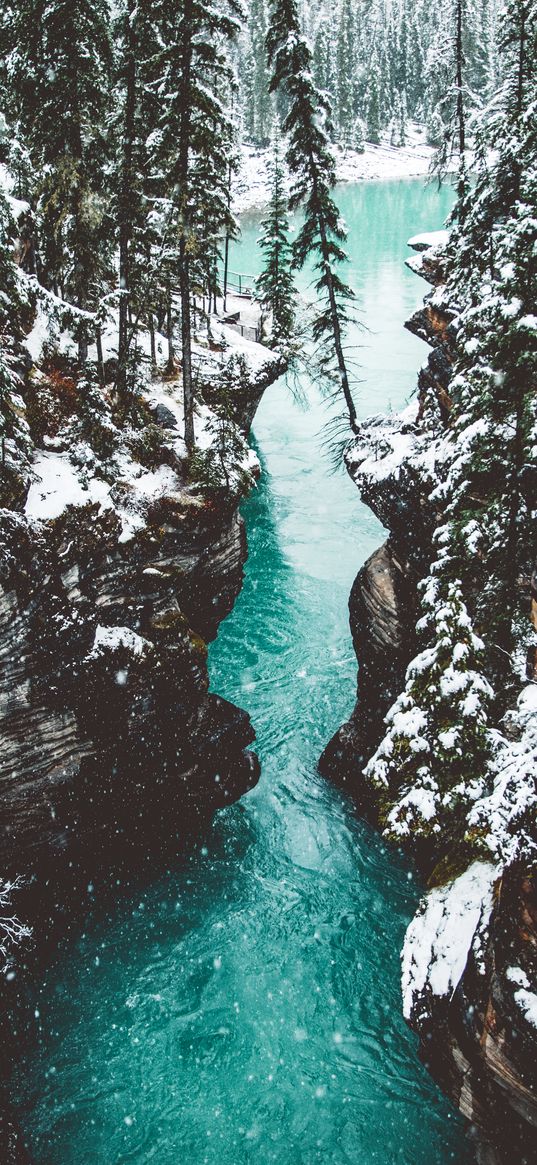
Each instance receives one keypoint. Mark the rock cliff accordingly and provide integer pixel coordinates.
(119, 557)
(470, 956)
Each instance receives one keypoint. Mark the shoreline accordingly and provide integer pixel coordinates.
(251, 190)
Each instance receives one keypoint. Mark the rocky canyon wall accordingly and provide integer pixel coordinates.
(477, 1030)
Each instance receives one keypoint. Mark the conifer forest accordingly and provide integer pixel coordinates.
(268, 582)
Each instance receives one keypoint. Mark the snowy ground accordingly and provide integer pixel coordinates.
(66, 472)
(252, 188)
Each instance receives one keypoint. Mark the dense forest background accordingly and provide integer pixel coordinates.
(383, 63)
(123, 124)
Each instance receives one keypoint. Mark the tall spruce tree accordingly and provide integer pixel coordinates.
(345, 60)
(260, 79)
(275, 287)
(195, 137)
(373, 102)
(312, 169)
(452, 109)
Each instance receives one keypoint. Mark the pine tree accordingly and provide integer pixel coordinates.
(345, 64)
(275, 287)
(260, 80)
(311, 166)
(246, 72)
(436, 741)
(358, 136)
(13, 306)
(321, 59)
(60, 72)
(194, 149)
(453, 110)
(373, 103)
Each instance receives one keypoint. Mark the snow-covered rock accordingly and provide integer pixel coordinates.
(440, 936)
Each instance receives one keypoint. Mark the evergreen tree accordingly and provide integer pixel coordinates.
(260, 79)
(345, 64)
(14, 306)
(373, 102)
(358, 136)
(274, 287)
(224, 464)
(60, 73)
(247, 73)
(436, 741)
(311, 166)
(321, 60)
(194, 149)
(453, 110)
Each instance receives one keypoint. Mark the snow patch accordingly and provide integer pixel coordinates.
(429, 239)
(439, 938)
(527, 1001)
(56, 485)
(114, 638)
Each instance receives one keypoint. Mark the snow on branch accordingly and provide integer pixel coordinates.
(12, 932)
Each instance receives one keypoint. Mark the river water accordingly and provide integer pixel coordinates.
(245, 1010)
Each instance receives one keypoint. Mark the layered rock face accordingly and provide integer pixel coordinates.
(110, 737)
(470, 958)
(113, 750)
(383, 609)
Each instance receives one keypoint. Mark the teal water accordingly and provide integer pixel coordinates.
(245, 1010)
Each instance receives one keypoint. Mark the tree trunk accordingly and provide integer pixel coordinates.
(334, 316)
(461, 186)
(226, 271)
(125, 202)
(82, 247)
(186, 344)
(187, 28)
(169, 336)
(338, 345)
(512, 555)
(100, 360)
(80, 279)
(153, 344)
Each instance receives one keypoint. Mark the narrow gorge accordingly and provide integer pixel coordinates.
(259, 977)
(254, 911)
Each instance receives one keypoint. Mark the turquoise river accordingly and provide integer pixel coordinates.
(246, 1010)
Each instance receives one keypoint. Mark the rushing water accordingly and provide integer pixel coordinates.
(246, 1008)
